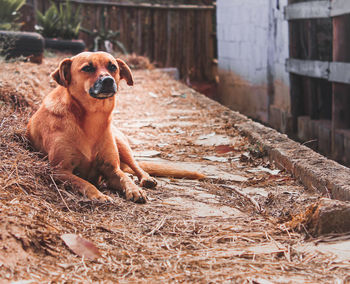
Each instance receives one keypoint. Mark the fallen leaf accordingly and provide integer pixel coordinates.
(81, 246)
(223, 149)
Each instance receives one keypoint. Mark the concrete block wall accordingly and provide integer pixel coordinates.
(252, 48)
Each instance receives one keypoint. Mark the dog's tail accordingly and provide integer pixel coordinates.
(166, 170)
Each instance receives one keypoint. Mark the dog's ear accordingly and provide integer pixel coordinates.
(62, 74)
(125, 72)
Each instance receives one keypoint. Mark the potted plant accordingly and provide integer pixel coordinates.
(12, 42)
(60, 26)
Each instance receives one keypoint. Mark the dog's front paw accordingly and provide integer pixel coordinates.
(136, 194)
(101, 197)
(148, 182)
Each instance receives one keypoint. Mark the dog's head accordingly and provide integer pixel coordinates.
(94, 74)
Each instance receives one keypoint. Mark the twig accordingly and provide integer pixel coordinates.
(246, 196)
(60, 193)
(85, 268)
(310, 141)
(158, 226)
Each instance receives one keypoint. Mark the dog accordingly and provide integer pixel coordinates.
(73, 128)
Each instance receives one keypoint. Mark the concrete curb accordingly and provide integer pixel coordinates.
(314, 170)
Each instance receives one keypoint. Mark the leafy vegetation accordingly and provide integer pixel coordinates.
(9, 14)
(48, 22)
(59, 21)
(105, 39)
(102, 39)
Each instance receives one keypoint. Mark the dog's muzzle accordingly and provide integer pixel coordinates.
(104, 87)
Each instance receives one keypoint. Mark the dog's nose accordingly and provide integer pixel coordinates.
(103, 88)
(108, 85)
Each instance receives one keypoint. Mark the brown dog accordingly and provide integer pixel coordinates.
(73, 127)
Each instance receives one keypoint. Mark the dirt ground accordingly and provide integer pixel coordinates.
(230, 227)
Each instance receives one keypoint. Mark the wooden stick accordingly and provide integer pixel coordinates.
(246, 196)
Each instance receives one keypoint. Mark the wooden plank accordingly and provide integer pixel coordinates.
(340, 7)
(339, 72)
(311, 84)
(146, 5)
(346, 144)
(310, 68)
(341, 97)
(332, 71)
(308, 10)
(296, 91)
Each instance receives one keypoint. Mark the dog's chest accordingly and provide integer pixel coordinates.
(87, 163)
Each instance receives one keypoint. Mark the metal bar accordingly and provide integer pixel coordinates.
(340, 7)
(308, 10)
(146, 5)
(309, 68)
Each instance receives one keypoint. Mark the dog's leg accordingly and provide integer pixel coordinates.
(115, 177)
(65, 160)
(127, 157)
(120, 181)
(83, 186)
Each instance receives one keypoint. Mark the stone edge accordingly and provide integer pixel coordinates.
(315, 171)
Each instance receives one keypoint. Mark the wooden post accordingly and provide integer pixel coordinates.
(295, 80)
(311, 83)
(341, 92)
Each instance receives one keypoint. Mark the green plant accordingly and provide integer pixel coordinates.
(70, 21)
(102, 36)
(48, 22)
(59, 21)
(9, 14)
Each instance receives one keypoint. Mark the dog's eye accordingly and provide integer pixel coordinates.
(89, 69)
(112, 67)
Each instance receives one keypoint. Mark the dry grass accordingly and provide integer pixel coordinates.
(159, 241)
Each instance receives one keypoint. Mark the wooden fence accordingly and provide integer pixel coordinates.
(320, 79)
(179, 36)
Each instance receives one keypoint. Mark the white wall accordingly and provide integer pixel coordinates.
(242, 28)
(252, 48)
